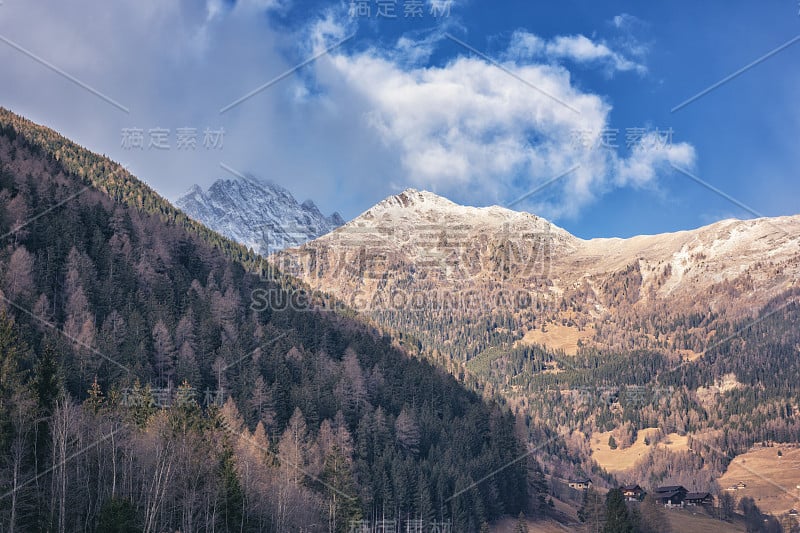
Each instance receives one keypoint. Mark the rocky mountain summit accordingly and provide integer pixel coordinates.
(260, 215)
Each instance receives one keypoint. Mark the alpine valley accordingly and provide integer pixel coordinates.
(652, 360)
(415, 266)
(472, 369)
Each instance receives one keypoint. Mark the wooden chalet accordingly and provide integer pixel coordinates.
(671, 495)
(632, 493)
(580, 484)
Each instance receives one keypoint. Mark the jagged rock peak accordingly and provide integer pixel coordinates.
(261, 215)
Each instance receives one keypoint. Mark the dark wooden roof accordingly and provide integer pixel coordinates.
(671, 488)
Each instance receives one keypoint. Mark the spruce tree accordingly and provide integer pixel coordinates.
(344, 506)
(118, 516)
(232, 495)
(617, 516)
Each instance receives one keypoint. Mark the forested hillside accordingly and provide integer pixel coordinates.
(690, 334)
(140, 391)
(742, 391)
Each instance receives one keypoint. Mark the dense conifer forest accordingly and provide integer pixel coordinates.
(140, 391)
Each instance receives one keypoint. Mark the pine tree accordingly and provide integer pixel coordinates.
(186, 368)
(592, 511)
(95, 399)
(343, 503)
(140, 404)
(425, 508)
(232, 495)
(10, 379)
(617, 517)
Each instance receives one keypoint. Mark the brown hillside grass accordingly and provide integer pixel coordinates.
(619, 460)
(772, 481)
(557, 337)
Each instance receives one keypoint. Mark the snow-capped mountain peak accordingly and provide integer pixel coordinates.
(412, 211)
(417, 240)
(260, 215)
(413, 198)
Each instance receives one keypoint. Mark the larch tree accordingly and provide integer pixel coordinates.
(18, 281)
(294, 448)
(163, 353)
(79, 325)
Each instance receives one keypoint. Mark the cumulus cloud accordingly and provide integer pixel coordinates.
(649, 156)
(480, 133)
(468, 123)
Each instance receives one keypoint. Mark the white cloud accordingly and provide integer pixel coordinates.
(261, 5)
(650, 156)
(576, 48)
(326, 31)
(626, 21)
(470, 130)
(632, 36)
(343, 130)
(468, 124)
(214, 8)
(581, 49)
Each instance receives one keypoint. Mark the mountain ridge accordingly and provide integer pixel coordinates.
(432, 199)
(418, 242)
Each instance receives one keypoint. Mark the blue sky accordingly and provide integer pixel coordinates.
(483, 105)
